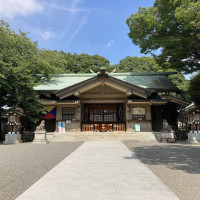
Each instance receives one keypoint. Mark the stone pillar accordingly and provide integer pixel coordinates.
(194, 137)
(12, 138)
(40, 137)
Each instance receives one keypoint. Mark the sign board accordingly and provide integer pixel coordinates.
(138, 111)
(61, 127)
(196, 117)
(12, 118)
(137, 127)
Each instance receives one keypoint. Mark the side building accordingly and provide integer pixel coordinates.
(114, 102)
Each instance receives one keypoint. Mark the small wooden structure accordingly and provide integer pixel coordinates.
(14, 125)
(193, 115)
(194, 120)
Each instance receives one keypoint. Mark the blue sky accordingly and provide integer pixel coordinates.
(76, 26)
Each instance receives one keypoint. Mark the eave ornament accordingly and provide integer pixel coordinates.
(76, 93)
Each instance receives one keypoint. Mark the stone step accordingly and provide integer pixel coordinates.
(142, 136)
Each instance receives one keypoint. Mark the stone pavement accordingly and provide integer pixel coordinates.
(100, 170)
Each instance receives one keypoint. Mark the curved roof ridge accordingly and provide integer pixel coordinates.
(114, 74)
(141, 73)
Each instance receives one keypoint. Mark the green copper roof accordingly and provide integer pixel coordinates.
(148, 80)
(62, 81)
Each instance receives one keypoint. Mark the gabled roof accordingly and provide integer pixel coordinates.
(142, 91)
(191, 108)
(154, 81)
(177, 100)
(14, 110)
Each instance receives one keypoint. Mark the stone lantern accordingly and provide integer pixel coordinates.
(14, 125)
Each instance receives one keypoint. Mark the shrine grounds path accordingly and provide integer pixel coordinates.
(177, 165)
(21, 165)
(99, 170)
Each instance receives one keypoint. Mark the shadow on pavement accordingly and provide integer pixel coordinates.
(174, 156)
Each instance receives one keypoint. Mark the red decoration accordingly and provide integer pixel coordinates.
(48, 116)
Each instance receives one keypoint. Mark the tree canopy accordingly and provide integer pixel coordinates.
(19, 60)
(136, 64)
(170, 30)
(194, 89)
(74, 63)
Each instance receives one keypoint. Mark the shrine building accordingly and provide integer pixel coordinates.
(108, 102)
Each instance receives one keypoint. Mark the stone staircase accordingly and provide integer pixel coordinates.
(104, 136)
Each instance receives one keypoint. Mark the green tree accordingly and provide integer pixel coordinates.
(136, 64)
(170, 29)
(19, 59)
(194, 89)
(74, 63)
(56, 59)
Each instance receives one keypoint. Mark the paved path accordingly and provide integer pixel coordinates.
(99, 170)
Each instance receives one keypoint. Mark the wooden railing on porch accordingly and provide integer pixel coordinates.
(87, 127)
(119, 127)
(103, 127)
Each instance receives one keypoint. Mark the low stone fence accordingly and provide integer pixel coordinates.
(27, 136)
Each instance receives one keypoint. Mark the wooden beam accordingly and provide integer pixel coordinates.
(103, 101)
(100, 96)
(116, 86)
(81, 89)
(124, 89)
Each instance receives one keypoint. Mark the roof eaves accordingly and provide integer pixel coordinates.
(137, 88)
(177, 100)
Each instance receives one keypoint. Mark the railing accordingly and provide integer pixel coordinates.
(87, 127)
(103, 127)
(119, 127)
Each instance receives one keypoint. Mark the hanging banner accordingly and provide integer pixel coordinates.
(48, 108)
(51, 112)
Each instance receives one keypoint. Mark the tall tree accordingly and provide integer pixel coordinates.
(170, 29)
(74, 63)
(136, 64)
(19, 59)
(194, 89)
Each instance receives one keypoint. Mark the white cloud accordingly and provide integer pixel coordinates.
(110, 43)
(12, 8)
(46, 34)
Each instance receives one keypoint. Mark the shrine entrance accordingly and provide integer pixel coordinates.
(103, 118)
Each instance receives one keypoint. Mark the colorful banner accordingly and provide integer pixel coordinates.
(51, 112)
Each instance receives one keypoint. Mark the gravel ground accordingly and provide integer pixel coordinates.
(177, 165)
(23, 164)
